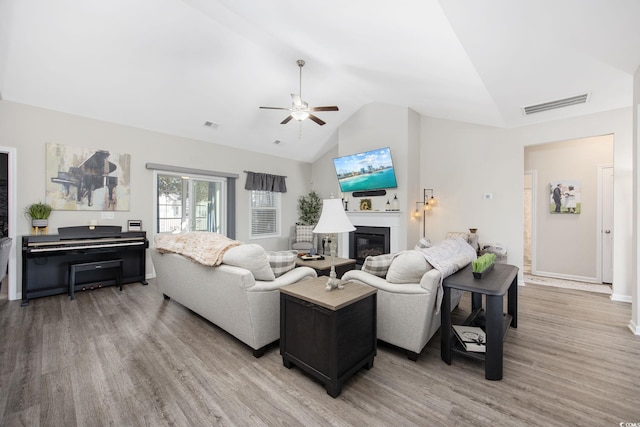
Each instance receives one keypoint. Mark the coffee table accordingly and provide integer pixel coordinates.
(323, 266)
(330, 335)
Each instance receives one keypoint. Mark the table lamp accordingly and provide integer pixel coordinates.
(333, 220)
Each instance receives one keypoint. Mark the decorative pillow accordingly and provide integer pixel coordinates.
(377, 265)
(304, 233)
(282, 261)
(407, 267)
(462, 234)
(423, 243)
(253, 258)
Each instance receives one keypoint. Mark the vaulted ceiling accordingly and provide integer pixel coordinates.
(172, 65)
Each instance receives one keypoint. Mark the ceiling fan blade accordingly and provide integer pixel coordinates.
(287, 120)
(297, 100)
(331, 108)
(317, 119)
(276, 108)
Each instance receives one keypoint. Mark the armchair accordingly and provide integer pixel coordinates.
(302, 238)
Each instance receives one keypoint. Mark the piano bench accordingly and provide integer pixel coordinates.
(90, 266)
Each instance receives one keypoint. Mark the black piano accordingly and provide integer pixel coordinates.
(46, 259)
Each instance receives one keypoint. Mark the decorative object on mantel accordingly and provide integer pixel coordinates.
(39, 214)
(333, 220)
(100, 179)
(387, 207)
(395, 203)
(365, 204)
(345, 200)
(427, 205)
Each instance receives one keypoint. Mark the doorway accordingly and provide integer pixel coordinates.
(605, 203)
(569, 246)
(8, 165)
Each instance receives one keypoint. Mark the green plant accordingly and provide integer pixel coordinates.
(38, 210)
(309, 207)
(483, 262)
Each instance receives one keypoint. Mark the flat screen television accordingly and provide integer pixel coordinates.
(371, 170)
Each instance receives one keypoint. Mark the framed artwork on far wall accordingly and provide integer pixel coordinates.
(564, 197)
(87, 179)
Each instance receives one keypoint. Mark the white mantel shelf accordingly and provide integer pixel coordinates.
(389, 219)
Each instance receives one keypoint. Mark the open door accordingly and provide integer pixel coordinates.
(606, 229)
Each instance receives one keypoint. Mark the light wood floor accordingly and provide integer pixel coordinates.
(130, 358)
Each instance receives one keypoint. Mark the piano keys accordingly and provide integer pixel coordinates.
(46, 259)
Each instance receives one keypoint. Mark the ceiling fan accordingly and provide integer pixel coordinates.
(300, 110)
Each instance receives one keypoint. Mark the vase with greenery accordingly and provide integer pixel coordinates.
(309, 208)
(39, 214)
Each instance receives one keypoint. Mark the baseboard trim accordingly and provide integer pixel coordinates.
(567, 277)
(621, 298)
(634, 328)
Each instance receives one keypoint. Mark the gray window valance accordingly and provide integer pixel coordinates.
(265, 182)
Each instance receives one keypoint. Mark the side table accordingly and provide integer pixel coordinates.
(323, 266)
(329, 335)
(502, 280)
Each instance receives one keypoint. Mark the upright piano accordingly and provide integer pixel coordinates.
(46, 258)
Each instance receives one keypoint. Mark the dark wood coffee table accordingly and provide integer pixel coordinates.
(323, 266)
(331, 335)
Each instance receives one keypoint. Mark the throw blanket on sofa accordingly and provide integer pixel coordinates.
(199, 246)
(448, 257)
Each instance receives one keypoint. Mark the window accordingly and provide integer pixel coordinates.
(190, 203)
(265, 214)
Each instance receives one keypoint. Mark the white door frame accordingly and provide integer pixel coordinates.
(13, 185)
(534, 205)
(599, 220)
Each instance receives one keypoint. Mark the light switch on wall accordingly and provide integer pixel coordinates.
(487, 196)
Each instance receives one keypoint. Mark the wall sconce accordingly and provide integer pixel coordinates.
(427, 204)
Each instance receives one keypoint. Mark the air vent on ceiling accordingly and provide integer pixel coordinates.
(212, 125)
(559, 103)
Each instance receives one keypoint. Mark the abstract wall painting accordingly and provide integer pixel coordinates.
(564, 197)
(87, 179)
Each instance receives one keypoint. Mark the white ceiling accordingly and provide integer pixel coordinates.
(171, 65)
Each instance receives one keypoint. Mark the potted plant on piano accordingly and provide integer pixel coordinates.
(39, 214)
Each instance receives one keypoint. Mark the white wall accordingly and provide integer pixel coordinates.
(382, 125)
(567, 244)
(634, 323)
(29, 128)
(463, 161)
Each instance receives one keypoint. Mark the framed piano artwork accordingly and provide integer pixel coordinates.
(46, 259)
(87, 179)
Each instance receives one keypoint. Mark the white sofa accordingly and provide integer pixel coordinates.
(408, 307)
(230, 296)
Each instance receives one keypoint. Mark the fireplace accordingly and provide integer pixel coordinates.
(365, 241)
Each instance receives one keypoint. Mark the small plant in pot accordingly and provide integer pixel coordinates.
(39, 214)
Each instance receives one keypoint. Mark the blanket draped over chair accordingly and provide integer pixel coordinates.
(200, 246)
(447, 257)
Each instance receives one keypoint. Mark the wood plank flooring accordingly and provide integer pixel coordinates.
(131, 358)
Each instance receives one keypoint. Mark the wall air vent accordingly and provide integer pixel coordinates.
(559, 103)
(212, 125)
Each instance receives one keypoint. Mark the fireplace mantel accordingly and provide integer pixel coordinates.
(372, 219)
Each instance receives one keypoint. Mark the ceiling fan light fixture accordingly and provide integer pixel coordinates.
(299, 115)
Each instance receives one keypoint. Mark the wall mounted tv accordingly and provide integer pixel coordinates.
(371, 170)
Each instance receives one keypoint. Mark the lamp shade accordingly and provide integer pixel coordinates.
(333, 218)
